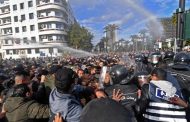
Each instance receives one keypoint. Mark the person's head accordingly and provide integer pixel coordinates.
(92, 70)
(80, 73)
(118, 73)
(21, 77)
(143, 78)
(158, 74)
(85, 80)
(106, 110)
(64, 78)
(101, 64)
(21, 90)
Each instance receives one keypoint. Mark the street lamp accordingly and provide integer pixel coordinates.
(180, 23)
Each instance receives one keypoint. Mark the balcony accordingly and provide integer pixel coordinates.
(47, 31)
(5, 25)
(6, 34)
(49, 5)
(43, 19)
(52, 41)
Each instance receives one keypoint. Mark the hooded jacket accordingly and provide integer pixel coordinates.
(65, 104)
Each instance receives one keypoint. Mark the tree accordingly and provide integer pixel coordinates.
(111, 29)
(187, 43)
(174, 19)
(79, 37)
(134, 40)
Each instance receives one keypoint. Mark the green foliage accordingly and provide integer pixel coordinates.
(80, 38)
(174, 19)
(187, 43)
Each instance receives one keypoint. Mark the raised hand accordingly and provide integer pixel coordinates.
(58, 118)
(117, 95)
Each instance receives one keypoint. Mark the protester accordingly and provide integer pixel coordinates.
(20, 108)
(61, 100)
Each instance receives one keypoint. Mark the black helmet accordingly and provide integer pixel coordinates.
(139, 58)
(181, 58)
(181, 61)
(169, 55)
(118, 73)
(155, 58)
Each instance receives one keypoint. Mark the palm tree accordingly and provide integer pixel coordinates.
(111, 28)
(134, 40)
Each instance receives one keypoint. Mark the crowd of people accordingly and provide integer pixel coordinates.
(103, 88)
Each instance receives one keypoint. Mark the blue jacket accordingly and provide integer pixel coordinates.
(65, 104)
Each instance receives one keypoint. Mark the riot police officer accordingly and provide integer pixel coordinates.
(120, 81)
(181, 71)
(140, 61)
(168, 58)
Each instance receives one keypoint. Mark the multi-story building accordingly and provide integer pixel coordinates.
(32, 28)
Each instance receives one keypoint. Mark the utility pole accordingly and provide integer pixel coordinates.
(180, 12)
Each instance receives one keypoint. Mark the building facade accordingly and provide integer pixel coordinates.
(33, 28)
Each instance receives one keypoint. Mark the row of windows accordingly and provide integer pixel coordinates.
(25, 39)
(31, 16)
(14, 51)
(29, 51)
(32, 28)
(30, 4)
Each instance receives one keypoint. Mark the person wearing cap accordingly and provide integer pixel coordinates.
(61, 99)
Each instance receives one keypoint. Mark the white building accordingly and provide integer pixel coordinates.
(32, 28)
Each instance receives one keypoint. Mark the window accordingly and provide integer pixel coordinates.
(30, 4)
(17, 30)
(21, 5)
(37, 51)
(15, 18)
(31, 16)
(7, 52)
(23, 28)
(60, 51)
(33, 39)
(6, 41)
(25, 40)
(14, 7)
(50, 50)
(29, 51)
(32, 28)
(14, 51)
(23, 17)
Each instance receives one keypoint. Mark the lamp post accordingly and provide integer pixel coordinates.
(180, 24)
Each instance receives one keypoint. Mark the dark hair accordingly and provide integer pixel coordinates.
(20, 90)
(64, 78)
(160, 73)
(22, 73)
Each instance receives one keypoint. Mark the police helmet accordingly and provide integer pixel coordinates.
(181, 58)
(181, 61)
(118, 73)
(155, 58)
(139, 58)
(169, 55)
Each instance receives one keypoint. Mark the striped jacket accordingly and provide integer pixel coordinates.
(160, 110)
